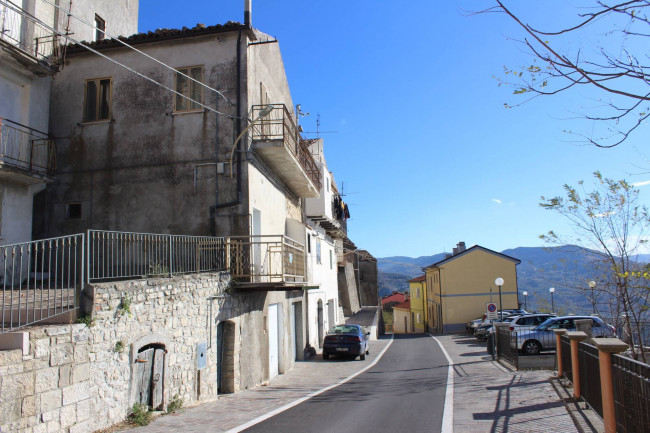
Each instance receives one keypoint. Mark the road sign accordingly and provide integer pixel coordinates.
(492, 311)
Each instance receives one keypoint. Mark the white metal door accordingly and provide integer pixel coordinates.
(273, 341)
(331, 313)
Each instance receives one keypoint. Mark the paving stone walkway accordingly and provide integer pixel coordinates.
(488, 398)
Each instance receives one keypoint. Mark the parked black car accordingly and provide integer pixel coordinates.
(349, 340)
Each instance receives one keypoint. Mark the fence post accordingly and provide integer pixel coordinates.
(584, 325)
(558, 350)
(607, 346)
(171, 267)
(575, 337)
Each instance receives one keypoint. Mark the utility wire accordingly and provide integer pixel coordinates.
(117, 39)
(21, 12)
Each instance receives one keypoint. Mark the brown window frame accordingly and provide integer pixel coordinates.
(97, 117)
(189, 92)
(100, 24)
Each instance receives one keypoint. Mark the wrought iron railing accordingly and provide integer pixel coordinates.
(40, 279)
(24, 148)
(631, 394)
(589, 368)
(25, 32)
(279, 125)
(264, 259)
(123, 255)
(507, 346)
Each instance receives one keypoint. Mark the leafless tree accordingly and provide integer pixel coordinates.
(615, 66)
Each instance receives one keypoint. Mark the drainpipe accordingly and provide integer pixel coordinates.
(238, 131)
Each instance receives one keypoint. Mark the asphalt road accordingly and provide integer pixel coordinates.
(404, 391)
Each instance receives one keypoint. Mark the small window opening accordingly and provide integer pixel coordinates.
(100, 27)
(73, 211)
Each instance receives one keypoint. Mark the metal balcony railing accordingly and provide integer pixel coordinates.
(266, 259)
(280, 126)
(24, 32)
(25, 148)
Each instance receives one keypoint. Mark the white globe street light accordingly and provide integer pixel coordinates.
(552, 290)
(592, 284)
(499, 282)
(525, 293)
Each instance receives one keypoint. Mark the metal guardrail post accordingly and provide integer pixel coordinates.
(171, 256)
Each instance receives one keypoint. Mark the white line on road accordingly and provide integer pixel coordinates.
(448, 411)
(287, 406)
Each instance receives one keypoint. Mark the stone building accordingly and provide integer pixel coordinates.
(32, 40)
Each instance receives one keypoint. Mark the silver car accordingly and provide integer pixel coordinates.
(543, 338)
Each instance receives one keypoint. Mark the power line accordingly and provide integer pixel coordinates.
(117, 39)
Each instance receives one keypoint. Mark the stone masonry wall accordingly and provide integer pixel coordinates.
(172, 312)
(47, 390)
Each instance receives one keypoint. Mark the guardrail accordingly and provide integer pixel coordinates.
(24, 148)
(23, 31)
(631, 394)
(122, 255)
(279, 125)
(40, 279)
(260, 259)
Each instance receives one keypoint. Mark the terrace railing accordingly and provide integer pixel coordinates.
(40, 279)
(631, 394)
(589, 370)
(25, 32)
(122, 255)
(24, 148)
(265, 259)
(279, 125)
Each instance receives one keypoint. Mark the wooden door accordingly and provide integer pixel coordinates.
(144, 371)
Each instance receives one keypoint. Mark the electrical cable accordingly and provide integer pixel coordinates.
(117, 39)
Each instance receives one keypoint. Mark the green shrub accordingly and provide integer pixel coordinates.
(140, 414)
(175, 405)
(87, 319)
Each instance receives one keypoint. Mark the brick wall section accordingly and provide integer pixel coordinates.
(47, 390)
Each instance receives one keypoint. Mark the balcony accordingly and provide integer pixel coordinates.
(277, 140)
(27, 156)
(273, 262)
(31, 44)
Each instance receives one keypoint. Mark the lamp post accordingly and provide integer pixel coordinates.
(264, 112)
(552, 290)
(499, 282)
(592, 284)
(525, 293)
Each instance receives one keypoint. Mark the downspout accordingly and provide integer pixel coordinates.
(238, 131)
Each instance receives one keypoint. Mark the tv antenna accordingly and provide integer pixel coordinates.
(318, 131)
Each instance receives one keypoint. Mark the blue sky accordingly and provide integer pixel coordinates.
(424, 149)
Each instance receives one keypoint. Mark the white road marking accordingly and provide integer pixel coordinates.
(287, 406)
(448, 411)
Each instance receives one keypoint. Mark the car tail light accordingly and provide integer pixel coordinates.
(512, 328)
(356, 339)
(330, 338)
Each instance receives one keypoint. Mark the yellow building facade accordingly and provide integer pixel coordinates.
(418, 293)
(460, 286)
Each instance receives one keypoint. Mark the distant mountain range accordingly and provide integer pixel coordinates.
(564, 268)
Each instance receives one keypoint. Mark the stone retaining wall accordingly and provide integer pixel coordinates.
(47, 390)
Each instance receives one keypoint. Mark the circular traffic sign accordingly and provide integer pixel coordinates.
(492, 308)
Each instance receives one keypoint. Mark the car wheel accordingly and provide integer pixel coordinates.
(362, 357)
(326, 355)
(532, 347)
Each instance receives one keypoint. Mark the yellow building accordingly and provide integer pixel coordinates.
(402, 318)
(460, 286)
(417, 289)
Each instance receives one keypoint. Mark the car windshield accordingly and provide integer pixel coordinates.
(343, 329)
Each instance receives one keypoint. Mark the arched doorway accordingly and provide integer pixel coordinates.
(149, 375)
(226, 357)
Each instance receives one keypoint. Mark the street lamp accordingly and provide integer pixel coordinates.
(264, 112)
(552, 290)
(525, 293)
(499, 282)
(592, 284)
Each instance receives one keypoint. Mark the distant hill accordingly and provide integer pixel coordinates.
(564, 268)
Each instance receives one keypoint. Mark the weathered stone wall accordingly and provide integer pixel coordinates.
(47, 390)
(175, 313)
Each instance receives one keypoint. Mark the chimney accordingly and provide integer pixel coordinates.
(461, 247)
(247, 13)
(447, 255)
(454, 251)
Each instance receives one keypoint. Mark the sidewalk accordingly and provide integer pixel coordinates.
(233, 410)
(489, 398)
